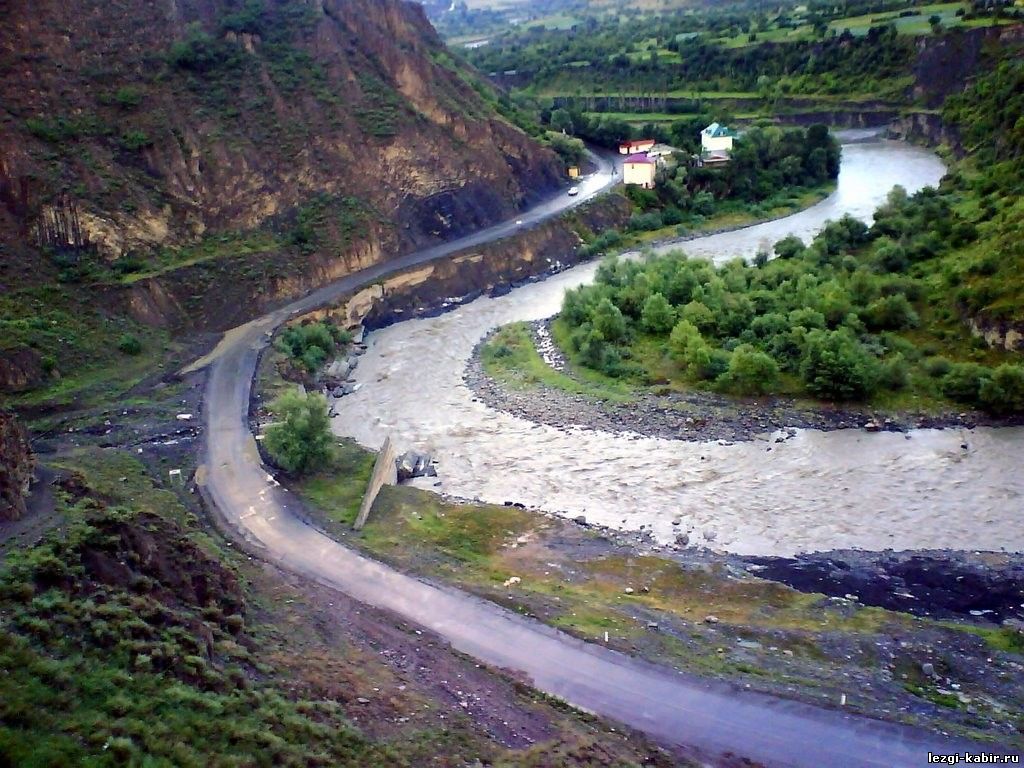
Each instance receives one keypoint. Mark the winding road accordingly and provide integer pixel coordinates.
(710, 717)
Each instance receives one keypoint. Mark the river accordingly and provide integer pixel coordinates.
(814, 491)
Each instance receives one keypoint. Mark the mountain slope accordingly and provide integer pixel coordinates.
(291, 135)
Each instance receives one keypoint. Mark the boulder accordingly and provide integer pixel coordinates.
(406, 465)
(415, 464)
(338, 371)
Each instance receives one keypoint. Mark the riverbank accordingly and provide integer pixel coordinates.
(565, 400)
(713, 614)
(923, 638)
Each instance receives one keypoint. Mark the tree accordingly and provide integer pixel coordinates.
(561, 120)
(963, 382)
(698, 313)
(300, 440)
(1004, 391)
(790, 247)
(751, 371)
(570, 149)
(608, 321)
(836, 366)
(658, 315)
(890, 313)
(691, 351)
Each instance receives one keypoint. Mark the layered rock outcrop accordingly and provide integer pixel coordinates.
(16, 465)
(341, 131)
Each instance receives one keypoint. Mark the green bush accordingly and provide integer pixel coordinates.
(750, 372)
(129, 344)
(895, 373)
(311, 344)
(300, 440)
(890, 313)
(135, 140)
(836, 366)
(607, 319)
(963, 383)
(937, 367)
(1003, 392)
(203, 54)
(658, 315)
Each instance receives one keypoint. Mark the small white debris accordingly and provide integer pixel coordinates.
(511, 580)
(184, 417)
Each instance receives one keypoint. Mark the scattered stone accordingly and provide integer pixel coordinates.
(711, 619)
(512, 580)
(928, 669)
(682, 539)
(414, 464)
(629, 590)
(580, 520)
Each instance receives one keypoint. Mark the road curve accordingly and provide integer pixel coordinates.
(710, 717)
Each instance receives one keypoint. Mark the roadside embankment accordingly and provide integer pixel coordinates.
(493, 268)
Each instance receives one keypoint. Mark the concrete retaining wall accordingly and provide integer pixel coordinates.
(384, 473)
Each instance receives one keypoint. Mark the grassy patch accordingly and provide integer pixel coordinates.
(76, 344)
(510, 357)
(125, 644)
(1004, 639)
(210, 248)
(338, 488)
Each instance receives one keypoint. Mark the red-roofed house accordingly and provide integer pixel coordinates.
(633, 147)
(638, 169)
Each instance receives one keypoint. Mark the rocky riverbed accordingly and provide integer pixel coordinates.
(695, 415)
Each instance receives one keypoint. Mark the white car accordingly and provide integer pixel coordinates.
(573, 191)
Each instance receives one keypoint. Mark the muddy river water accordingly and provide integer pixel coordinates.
(813, 491)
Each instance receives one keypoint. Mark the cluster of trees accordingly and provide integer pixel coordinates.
(829, 319)
(310, 345)
(766, 164)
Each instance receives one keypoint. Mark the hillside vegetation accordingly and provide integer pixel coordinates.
(877, 313)
(860, 48)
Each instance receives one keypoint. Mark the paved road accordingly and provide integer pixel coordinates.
(709, 717)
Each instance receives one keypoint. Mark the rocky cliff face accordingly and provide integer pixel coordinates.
(944, 65)
(136, 136)
(15, 468)
(526, 256)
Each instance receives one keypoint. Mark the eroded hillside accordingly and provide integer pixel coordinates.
(263, 145)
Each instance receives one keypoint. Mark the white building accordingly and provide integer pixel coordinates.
(716, 138)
